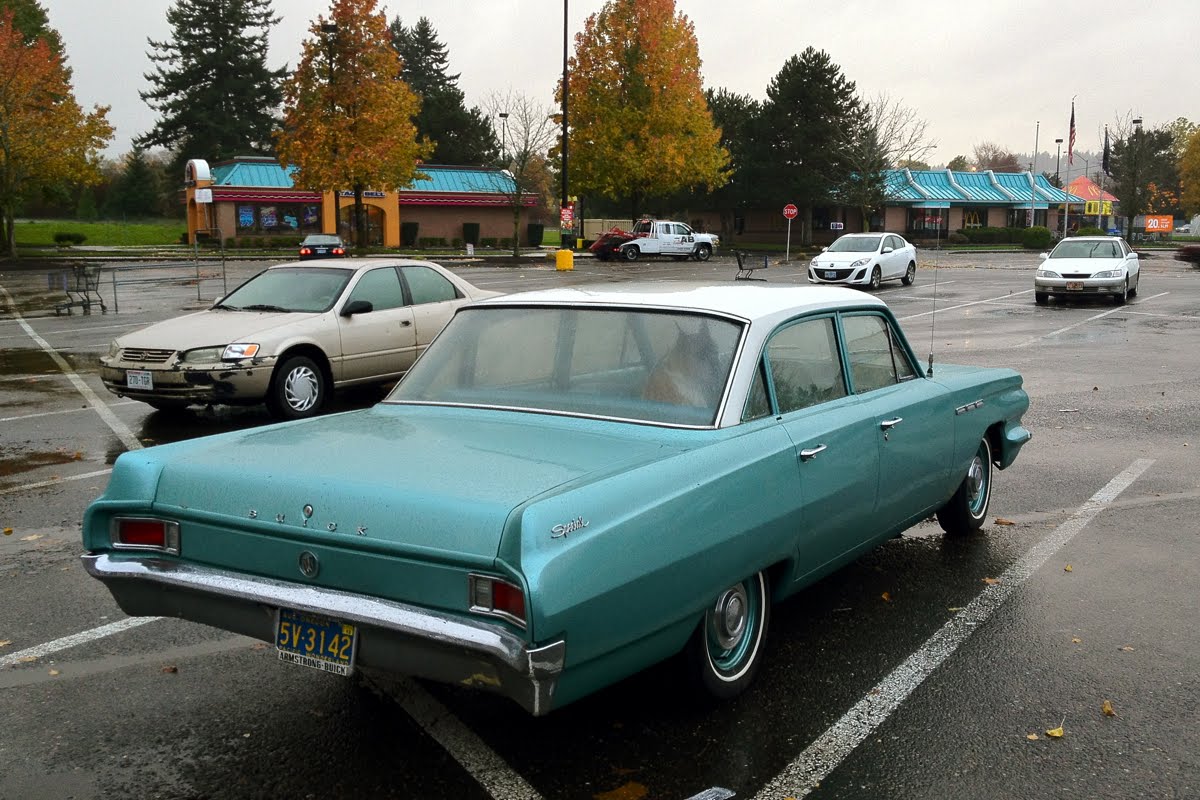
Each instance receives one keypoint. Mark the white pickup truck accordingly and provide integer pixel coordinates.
(656, 237)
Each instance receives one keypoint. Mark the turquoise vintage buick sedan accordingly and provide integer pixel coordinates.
(569, 485)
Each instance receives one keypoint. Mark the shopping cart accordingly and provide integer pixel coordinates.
(81, 284)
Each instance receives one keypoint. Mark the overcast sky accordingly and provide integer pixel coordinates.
(977, 71)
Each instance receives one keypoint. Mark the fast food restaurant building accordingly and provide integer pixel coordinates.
(253, 197)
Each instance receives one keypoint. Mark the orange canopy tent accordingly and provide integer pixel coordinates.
(1086, 188)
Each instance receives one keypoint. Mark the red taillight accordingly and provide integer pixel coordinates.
(144, 533)
(497, 598)
(337, 251)
(304, 251)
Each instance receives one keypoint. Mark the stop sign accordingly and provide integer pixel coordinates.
(790, 211)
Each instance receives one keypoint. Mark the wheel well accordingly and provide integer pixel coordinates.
(995, 437)
(309, 351)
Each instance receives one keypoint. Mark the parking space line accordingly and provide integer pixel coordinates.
(87, 329)
(64, 411)
(1004, 296)
(1092, 318)
(464, 745)
(119, 428)
(832, 747)
(74, 640)
(55, 481)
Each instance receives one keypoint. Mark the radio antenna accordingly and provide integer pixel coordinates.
(933, 315)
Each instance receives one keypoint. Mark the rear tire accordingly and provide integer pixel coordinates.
(1134, 289)
(967, 509)
(297, 390)
(910, 275)
(726, 651)
(630, 253)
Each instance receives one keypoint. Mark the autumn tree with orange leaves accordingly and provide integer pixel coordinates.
(45, 137)
(348, 116)
(639, 125)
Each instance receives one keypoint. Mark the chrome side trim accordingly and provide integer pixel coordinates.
(529, 674)
(968, 407)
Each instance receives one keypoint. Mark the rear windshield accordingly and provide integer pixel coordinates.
(321, 238)
(646, 366)
(855, 244)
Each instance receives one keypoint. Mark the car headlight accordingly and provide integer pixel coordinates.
(1108, 273)
(236, 352)
(201, 355)
(862, 262)
(1047, 273)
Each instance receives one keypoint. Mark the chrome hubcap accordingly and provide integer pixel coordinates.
(729, 616)
(300, 389)
(975, 479)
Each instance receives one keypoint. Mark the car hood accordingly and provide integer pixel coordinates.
(841, 259)
(411, 479)
(1081, 266)
(210, 328)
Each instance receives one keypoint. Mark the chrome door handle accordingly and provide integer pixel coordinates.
(888, 424)
(810, 453)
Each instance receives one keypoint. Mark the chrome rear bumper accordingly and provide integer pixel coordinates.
(393, 637)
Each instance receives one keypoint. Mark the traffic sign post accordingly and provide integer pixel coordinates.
(789, 212)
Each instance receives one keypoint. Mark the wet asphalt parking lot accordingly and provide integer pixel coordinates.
(932, 667)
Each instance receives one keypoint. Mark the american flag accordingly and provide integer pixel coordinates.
(1071, 138)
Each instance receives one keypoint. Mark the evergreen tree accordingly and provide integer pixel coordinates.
(85, 209)
(810, 104)
(459, 135)
(212, 88)
(135, 191)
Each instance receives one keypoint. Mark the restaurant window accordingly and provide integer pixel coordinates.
(1018, 217)
(927, 222)
(281, 218)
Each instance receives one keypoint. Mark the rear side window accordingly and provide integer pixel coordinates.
(805, 367)
(381, 287)
(876, 357)
(426, 286)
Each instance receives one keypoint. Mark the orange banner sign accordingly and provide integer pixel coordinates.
(1159, 223)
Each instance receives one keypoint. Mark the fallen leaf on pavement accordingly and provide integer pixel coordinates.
(1108, 709)
(1033, 737)
(1068, 568)
(1076, 640)
(27, 660)
(5, 642)
(955, 609)
(8, 531)
(1057, 733)
(54, 673)
(77, 456)
(887, 597)
(1003, 521)
(1126, 649)
(991, 581)
(171, 670)
(31, 537)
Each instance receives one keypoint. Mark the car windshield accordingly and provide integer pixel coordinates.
(305, 289)
(855, 244)
(1083, 248)
(640, 365)
(321, 238)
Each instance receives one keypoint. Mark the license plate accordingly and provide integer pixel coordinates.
(830, 274)
(1075, 286)
(312, 640)
(139, 379)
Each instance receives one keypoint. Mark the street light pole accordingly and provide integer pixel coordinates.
(1057, 179)
(567, 243)
(503, 134)
(1137, 178)
(329, 31)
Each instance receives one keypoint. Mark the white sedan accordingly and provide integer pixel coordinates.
(1088, 266)
(865, 259)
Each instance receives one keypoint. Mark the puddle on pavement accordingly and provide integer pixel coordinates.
(26, 375)
(14, 463)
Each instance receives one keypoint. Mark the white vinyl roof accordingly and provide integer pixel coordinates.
(750, 300)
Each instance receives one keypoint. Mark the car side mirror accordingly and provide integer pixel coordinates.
(823, 249)
(887, 250)
(1043, 256)
(357, 307)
